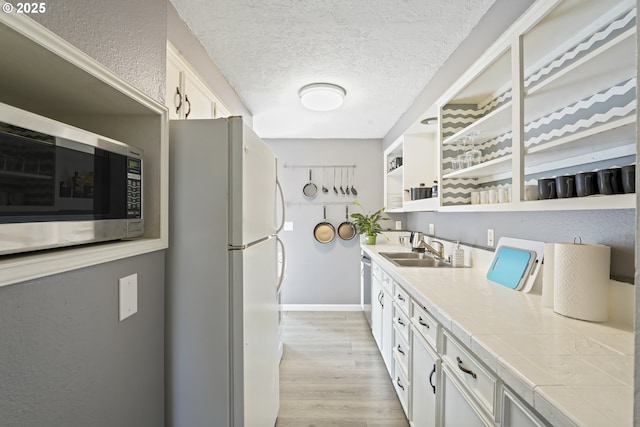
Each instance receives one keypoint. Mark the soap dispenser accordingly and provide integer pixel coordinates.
(457, 260)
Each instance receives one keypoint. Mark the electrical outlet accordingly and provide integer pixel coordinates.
(288, 226)
(432, 230)
(490, 237)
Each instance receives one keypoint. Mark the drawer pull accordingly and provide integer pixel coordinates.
(179, 103)
(401, 298)
(431, 378)
(399, 384)
(465, 370)
(426, 325)
(400, 322)
(400, 350)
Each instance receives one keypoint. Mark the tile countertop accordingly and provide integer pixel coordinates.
(575, 373)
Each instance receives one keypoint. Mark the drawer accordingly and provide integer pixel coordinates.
(426, 324)
(401, 351)
(401, 322)
(401, 384)
(401, 297)
(478, 381)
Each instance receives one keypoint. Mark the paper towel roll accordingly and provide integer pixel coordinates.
(547, 275)
(581, 281)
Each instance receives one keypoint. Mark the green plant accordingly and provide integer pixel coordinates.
(368, 223)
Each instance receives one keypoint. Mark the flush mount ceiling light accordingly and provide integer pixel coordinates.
(429, 121)
(322, 96)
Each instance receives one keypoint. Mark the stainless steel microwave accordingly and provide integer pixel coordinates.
(61, 185)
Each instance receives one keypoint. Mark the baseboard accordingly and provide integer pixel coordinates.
(321, 307)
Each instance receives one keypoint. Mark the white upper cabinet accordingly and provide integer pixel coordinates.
(554, 96)
(187, 96)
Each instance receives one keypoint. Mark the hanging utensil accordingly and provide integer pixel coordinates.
(324, 232)
(335, 190)
(353, 180)
(341, 180)
(324, 176)
(347, 189)
(347, 230)
(310, 189)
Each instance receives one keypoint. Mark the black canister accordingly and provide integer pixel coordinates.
(565, 186)
(610, 181)
(586, 184)
(421, 192)
(546, 188)
(629, 178)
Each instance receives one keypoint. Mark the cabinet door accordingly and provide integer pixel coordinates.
(458, 409)
(387, 330)
(424, 379)
(174, 98)
(198, 100)
(376, 310)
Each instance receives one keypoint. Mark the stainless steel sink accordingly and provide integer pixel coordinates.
(413, 259)
(403, 255)
(424, 262)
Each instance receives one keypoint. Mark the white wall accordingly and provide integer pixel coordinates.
(324, 273)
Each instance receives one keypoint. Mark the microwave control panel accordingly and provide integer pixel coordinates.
(134, 187)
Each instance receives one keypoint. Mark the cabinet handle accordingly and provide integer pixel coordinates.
(401, 298)
(179, 95)
(399, 384)
(400, 350)
(426, 325)
(433, 371)
(382, 299)
(400, 322)
(465, 370)
(186, 100)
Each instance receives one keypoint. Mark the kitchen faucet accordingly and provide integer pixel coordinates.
(418, 243)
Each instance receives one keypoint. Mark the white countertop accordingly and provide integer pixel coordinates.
(573, 372)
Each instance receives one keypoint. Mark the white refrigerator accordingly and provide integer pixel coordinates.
(222, 340)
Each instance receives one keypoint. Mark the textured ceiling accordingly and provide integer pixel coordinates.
(382, 52)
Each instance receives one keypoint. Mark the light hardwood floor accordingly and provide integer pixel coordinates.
(332, 374)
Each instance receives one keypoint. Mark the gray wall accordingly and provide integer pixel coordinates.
(324, 273)
(614, 228)
(128, 37)
(65, 360)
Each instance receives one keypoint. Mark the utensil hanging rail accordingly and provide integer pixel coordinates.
(319, 203)
(318, 166)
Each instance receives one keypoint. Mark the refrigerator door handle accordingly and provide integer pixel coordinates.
(282, 207)
(283, 266)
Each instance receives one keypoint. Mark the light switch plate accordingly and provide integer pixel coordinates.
(128, 296)
(288, 226)
(432, 230)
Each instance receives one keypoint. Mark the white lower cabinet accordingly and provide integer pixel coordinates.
(424, 382)
(516, 414)
(387, 330)
(458, 408)
(382, 320)
(376, 310)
